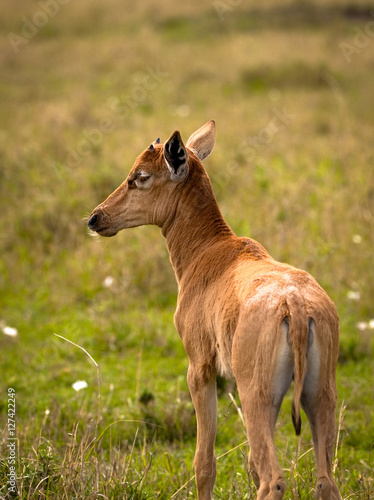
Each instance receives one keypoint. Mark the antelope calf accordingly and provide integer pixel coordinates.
(240, 313)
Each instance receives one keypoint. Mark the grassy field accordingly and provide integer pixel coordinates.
(84, 88)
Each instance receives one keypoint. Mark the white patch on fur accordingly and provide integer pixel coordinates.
(223, 364)
(269, 294)
(284, 367)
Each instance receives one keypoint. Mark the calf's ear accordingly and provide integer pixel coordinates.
(202, 141)
(176, 157)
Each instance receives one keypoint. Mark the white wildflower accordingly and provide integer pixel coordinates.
(356, 238)
(362, 325)
(10, 331)
(371, 324)
(108, 282)
(352, 295)
(79, 384)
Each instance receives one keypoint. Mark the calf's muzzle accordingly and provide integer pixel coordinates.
(98, 221)
(92, 221)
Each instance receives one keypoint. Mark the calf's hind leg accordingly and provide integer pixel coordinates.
(261, 396)
(319, 402)
(322, 422)
(263, 461)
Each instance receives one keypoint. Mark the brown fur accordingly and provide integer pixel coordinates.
(240, 313)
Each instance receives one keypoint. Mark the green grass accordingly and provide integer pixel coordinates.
(292, 167)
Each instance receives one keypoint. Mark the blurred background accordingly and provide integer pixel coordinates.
(85, 87)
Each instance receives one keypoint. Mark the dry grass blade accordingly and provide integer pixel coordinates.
(79, 347)
(238, 409)
(340, 426)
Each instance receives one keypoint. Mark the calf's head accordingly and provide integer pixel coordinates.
(150, 192)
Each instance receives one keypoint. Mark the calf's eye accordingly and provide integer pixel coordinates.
(143, 181)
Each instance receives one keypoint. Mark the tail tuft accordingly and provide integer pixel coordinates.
(296, 420)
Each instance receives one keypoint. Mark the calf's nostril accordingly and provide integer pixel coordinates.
(92, 221)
